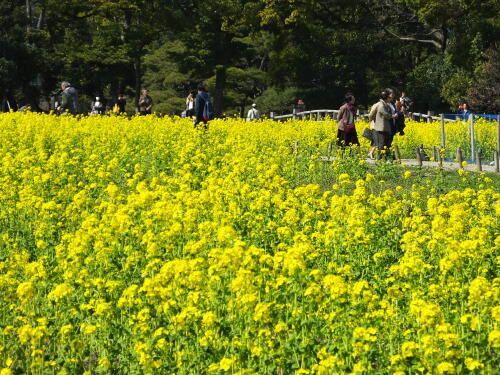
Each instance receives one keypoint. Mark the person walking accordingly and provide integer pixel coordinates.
(406, 101)
(382, 117)
(97, 107)
(202, 107)
(253, 113)
(190, 104)
(399, 122)
(346, 129)
(69, 99)
(145, 103)
(121, 103)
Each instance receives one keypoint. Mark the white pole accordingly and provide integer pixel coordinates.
(443, 136)
(472, 139)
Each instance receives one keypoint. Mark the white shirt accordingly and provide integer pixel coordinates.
(253, 114)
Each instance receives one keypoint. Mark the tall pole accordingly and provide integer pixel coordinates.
(472, 139)
(443, 136)
(498, 133)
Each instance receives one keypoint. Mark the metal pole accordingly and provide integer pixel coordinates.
(443, 136)
(498, 134)
(472, 139)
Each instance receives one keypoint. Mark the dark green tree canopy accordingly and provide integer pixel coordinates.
(269, 51)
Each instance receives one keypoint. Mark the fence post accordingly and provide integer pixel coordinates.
(397, 154)
(271, 116)
(295, 147)
(443, 137)
(434, 153)
(498, 133)
(460, 158)
(419, 157)
(318, 118)
(429, 116)
(294, 113)
(479, 167)
(330, 147)
(440, 159)
(497, 161)
(472, 139)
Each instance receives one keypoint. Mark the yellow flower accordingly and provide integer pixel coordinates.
(25, 291)
(445, 368)
(494, 338)
(472, 364)
(59, 292)
(226, 363)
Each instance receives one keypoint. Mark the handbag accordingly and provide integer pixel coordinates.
(368, 134)
(348, 128)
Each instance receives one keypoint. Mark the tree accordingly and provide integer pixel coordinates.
(484, 95)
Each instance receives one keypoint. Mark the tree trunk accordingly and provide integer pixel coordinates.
(138, 82)
(40, 19)
(28, 15)
(243, 105)
(220, 84)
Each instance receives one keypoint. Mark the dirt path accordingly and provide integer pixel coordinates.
(452, 166)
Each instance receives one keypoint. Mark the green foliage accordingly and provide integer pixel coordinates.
(277, 100)
(244, 49)
(426, 80)
(454, 90)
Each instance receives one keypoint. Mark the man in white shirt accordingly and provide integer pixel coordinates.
(253, 113)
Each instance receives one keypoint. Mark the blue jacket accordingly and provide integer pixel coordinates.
(199, 105)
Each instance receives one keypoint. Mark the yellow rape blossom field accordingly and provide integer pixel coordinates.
(144, 246)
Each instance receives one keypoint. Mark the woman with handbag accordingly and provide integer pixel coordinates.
(346, 133)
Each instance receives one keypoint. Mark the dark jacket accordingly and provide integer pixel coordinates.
(9, 105)
(69, 100)
(399, 123)
(199, 105)
(145, 104)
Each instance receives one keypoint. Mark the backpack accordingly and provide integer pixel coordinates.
(208, 110)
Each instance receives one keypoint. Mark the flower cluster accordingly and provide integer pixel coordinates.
(143, 246)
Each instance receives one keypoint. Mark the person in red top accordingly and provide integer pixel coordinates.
(346, 133)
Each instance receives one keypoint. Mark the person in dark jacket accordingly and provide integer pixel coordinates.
(145, 103)
(9, 103)
(399, 122)
(199, 104)
(69, 99)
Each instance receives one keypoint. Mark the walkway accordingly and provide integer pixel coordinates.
(452, 166)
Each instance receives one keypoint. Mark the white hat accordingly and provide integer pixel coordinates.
(254, 105)
(97, 98)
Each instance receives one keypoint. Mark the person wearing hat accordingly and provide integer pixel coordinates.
(97, 107)
(253, 113)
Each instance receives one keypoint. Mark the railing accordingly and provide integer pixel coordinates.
(320, 114)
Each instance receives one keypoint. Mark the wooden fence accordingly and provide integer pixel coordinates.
(322, 114)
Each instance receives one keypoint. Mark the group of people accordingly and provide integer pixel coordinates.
(196, 103)
(199, 107)
(387, 118)
(70, 102)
